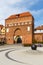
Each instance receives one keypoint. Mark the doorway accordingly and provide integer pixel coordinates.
(18, 39)
(17, 35)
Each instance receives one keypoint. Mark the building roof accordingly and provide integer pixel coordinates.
(39, 27)
(19, 15)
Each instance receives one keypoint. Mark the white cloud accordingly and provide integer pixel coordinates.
(2, 22)
(6, 10)
(38, 16)
(32, 2)
(11, 2)
(37, 12)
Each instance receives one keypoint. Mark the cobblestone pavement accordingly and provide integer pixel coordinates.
(20, 55)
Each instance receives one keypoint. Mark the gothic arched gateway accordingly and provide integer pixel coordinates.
(20, 28)
(17, 35)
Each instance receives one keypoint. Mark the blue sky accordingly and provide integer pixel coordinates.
(9, 7)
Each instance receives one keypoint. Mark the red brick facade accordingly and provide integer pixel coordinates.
(21, 25)
(38, 36)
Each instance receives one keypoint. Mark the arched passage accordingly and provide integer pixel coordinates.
(17, 35)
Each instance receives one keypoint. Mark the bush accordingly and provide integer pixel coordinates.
(34, 41)
(2, 43)
(37, 41)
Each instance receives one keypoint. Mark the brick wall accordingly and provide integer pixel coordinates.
(38, 37)
(22, 26)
